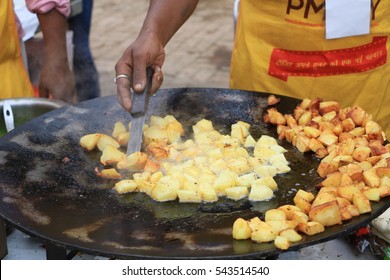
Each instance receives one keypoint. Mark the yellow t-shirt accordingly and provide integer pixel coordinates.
(14, 81)
(280, 48)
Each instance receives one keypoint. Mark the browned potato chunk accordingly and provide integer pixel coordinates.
(281, 243)
(109, 173)
(89, 141)
(263, 233)
(327, 214)
(311, 228)
(241, 229)
(291, 235)
(362, 203)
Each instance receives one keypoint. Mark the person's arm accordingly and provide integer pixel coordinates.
(162, 21)
(56, 80)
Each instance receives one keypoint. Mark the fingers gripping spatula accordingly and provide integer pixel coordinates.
(138, 114)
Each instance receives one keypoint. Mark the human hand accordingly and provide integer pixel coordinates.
(145, 51)
(57, 81)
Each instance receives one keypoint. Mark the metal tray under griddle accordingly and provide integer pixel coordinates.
(49, 189)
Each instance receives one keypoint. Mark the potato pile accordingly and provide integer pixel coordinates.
(201, 169)
(355, 166)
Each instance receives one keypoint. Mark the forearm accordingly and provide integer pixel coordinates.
(54, 26)
(165, 17)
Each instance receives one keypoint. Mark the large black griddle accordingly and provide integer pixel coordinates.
(49, 188)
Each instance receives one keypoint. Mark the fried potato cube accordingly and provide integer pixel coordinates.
(188, 196)
(357, 114)
(384, 188)
(302, 203)
(105, 140)
(207, 193)
(125, 186)
(236, 193)
(240, 130)
(311, 228)
(299, 217)
(361, 153)
(357, 131)
(373, 194)
(274, 117)
(174, 129)
(383, 172)
(281, 242)
(329, 106)
(371, 178)
(246, 180)
(202, 126)
(327, 214)
(157, 150)
(250, 142)
(353, 210)
(348, 191)
(109, 173)
(355, 171)
(226, 179)
(143, 182)
(239, 165)
(151, 166)
(156, 176)
(325, 168)
(158, 121)
(265, 170)
(266, 141)
(345, 214)
(272, 100)
(275, 215)
(111, 155)
(291, 234)
(260, 192)
(165, 189)
(332, 180)
(305, 118)
(134, 162)
(289, 210)
(155, 134)
(323, 198)
(263, 233)
(264, 153)
(282, 225)
(254, 223)
(327, 137)
(308, 196)
(119, 128)
(123, 139)
(342, 202)
(348, 124)
(362, 203)
(268, 181)
(311, 132)
(241, 229)
(89, 141)
(303, 143)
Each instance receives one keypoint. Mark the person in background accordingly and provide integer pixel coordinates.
(84, 69)
(280, 47)
(56, 79)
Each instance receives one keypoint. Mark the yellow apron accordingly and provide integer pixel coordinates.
(14, 81)
(280, 48)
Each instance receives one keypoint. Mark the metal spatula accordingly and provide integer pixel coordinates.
(138, 114)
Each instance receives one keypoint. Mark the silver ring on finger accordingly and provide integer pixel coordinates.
(121, 76)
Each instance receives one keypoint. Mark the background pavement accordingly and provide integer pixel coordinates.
(197, 56)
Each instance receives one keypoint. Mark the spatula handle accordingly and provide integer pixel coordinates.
(140, 100)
